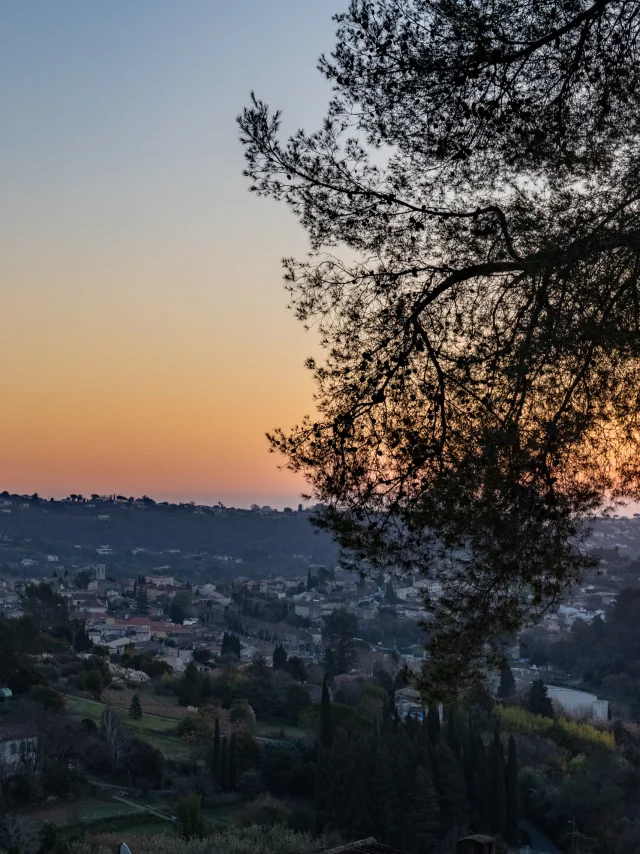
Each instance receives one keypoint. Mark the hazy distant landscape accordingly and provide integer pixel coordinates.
(133, 537)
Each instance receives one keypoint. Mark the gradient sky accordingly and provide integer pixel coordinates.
(145, 340)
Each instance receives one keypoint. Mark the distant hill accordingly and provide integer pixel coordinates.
(142, 534)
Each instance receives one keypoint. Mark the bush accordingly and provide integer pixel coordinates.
(242, 713)
(265, 810)
(570, 734)
(51, 699)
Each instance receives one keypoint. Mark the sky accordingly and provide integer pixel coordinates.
(145, 340)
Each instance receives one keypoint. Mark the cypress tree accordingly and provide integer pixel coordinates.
(135, 709)
(279, 658)
(326, 728)
(498, 788)
(450, 786)
(395, 718)
(392, 771)
(233, 763)
(224, 765)
(538, 701)
(433, 724)
(339, 780)
(359, 772)
(215, 759)
(451, 731)
(512, 834)
(507, 686)
(387, 703)
(330, 666)
(423, 813)
(478, 780)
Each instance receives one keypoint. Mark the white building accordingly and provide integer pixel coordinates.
(579, 704)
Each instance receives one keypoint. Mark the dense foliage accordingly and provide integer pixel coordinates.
(472, 202)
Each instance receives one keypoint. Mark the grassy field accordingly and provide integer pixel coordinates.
(86, 809)
(153, 704)
(272, 728)
(158, 731)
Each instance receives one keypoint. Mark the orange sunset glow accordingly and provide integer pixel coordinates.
(147, 347)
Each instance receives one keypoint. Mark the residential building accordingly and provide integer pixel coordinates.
(18, 747)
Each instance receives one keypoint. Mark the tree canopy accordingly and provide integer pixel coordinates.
(472, 203)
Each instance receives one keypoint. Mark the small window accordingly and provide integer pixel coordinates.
(14, 748)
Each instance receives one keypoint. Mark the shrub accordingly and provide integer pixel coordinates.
(51, 699)
(242, 713)
(571, 734)
(265, 810)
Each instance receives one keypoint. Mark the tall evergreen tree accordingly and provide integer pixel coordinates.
(190, 686)
(478, 779)
(224, 765)
(135, 709)
(512, 832)
(233, 763)
(433, 724)
(387, 704)
(142, 600)
(451, 731)
(279, 658)
(538, 701)
(326, 726)
(358, 772)
(450, 786)
(216, 754)
(498, 788)
(423, 813)
(507, 687)
(329, 663)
